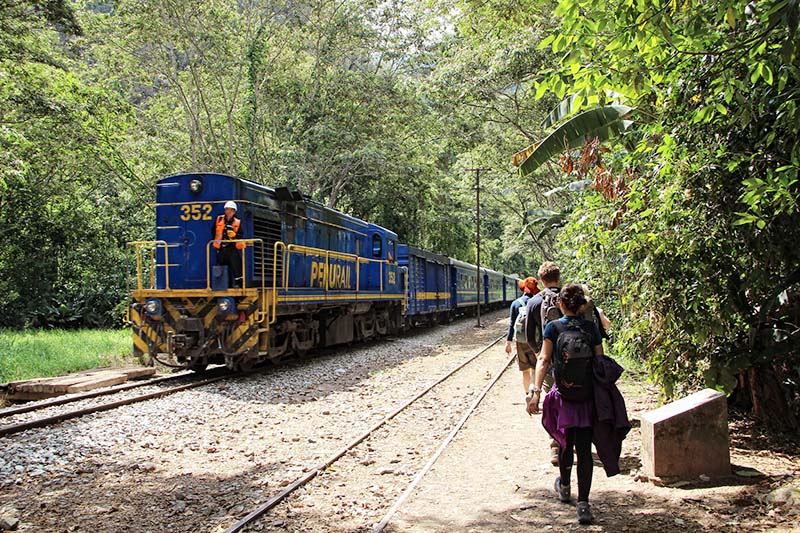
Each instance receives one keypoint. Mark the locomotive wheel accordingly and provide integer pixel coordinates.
(245, 365)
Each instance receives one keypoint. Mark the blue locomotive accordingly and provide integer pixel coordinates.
(311, 277)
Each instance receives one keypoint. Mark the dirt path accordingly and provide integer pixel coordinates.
(496, 476)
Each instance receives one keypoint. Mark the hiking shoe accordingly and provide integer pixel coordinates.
(562, 491)
(554, 456)
(584, 513)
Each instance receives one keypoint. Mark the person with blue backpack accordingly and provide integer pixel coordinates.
(571, 343)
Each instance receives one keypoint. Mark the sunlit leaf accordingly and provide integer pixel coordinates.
(602, 123)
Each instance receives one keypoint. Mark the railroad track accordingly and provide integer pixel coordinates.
(313, 472)
(45, 421)
(212, 376)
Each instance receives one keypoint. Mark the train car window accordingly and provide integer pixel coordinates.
(392, 251)
(377, 246)
(358, 246)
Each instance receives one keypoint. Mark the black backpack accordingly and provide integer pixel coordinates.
(572, 360)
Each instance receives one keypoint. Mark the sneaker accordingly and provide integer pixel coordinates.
(554, 456)
(562, 491)
(584, 513)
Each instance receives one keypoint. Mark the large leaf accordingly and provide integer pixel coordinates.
(569, 106)
(573, 186)
(601, 122)
(557, 220)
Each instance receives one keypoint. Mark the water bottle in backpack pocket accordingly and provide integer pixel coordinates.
(572, 360)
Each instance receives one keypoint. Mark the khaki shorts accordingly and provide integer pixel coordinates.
(526, 357)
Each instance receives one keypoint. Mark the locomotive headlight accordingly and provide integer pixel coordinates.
(226, 305)
(153, 306)
(196, 186)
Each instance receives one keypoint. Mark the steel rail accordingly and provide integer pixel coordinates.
(413, 485)
(312, 473)
(51, 420)
(90, 394)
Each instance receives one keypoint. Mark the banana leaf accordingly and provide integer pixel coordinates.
(601, 122)
(557, 220)
(573, 186)
(566, 107)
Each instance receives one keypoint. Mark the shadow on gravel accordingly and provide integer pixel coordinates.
(614, 511)
(627, 463)
(142, 500)
(314, 377)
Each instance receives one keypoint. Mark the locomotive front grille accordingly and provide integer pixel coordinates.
(268, 231)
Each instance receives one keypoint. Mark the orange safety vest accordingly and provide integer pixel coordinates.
(219, 229)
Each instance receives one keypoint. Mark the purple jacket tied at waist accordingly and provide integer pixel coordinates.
(610, 423)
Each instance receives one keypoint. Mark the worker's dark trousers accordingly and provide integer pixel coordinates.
(230, 256)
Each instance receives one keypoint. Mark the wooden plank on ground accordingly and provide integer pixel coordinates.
(39, 388)
(137, 372)
(56, 385)
(105, 379)
(12, 384)
(17, 396)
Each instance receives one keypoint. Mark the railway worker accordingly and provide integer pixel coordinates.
(526, 357)
(228, 227)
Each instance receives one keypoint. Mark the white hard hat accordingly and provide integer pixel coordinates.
(231, 204)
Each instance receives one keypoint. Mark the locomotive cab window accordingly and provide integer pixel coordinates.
(377, 246)
(392, 256)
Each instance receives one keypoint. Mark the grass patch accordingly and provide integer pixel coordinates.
(45, 353)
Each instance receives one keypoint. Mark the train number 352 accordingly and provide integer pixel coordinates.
(196, 212)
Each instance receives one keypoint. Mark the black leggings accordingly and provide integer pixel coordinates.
(581, 439)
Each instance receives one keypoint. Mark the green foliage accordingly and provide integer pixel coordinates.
(45, 353)
(66, 195)
(698, 251)
(688, 233)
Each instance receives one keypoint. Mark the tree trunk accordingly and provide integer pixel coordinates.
(760, 389)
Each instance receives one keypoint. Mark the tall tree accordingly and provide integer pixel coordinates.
(699, 241)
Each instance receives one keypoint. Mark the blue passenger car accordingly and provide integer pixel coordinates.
(511, 290)
(429, 295)
(494, 287)
(464, 284)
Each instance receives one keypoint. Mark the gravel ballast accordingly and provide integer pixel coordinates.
(200, 459)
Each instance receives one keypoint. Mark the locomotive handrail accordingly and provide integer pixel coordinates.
(297, 248)
(153, 246)
(405, 288)
(284, 276)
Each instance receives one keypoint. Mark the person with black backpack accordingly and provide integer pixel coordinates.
(571, 343)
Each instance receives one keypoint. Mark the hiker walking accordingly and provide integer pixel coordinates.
(526, 356)
(584, 386)
(540, 310)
